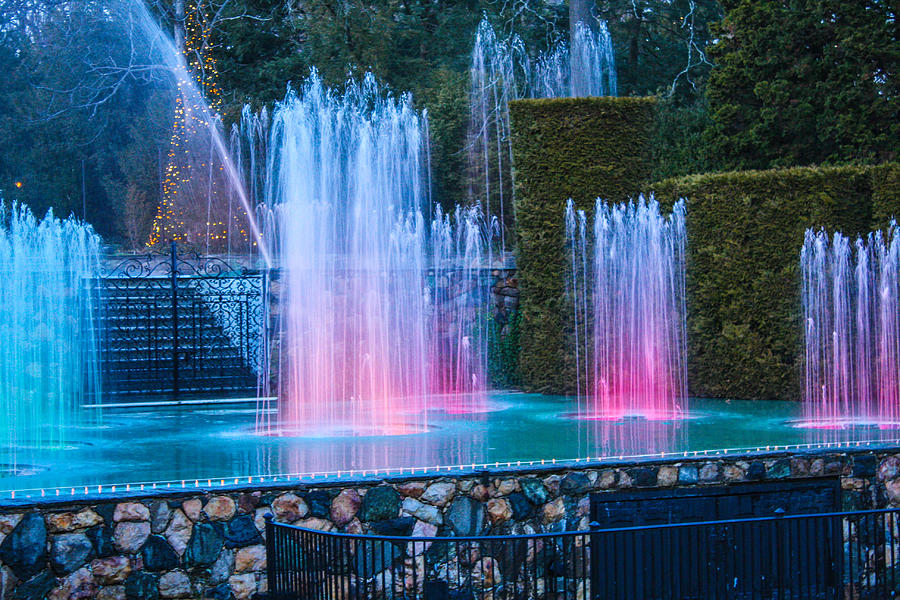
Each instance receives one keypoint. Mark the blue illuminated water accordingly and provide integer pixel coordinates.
(216, 443)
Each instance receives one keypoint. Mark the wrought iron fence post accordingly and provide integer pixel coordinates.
(593, 576)
(273, 564)
(174, 276)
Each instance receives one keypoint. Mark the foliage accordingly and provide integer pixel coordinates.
(804, 82)
(65, 144)
(745, 231)
(448, 112)
(661, 50)
(257, 47)
(503, 350)
(134, 182)
(885, 195)
(566, 148)
(423, 47)
(678, 138)
(660, 46)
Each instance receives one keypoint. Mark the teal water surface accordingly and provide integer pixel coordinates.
(219, 443)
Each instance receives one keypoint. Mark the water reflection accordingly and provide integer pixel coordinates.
(214, 446)
(630, 437)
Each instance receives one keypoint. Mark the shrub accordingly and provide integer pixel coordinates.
(885, 194)
(503, 350)
(578, 148)
(745, 231)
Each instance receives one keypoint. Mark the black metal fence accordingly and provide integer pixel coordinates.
(819, 556)
(180, 324)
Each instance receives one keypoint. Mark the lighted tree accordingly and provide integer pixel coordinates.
(195, 204)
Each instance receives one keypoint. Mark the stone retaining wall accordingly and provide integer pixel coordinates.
(502, 303)
(210, 544)
(504, 297)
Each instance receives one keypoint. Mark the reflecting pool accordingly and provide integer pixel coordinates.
(203, 443)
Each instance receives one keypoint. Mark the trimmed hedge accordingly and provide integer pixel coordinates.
(579, 148)
(885, 194)
(745, 231)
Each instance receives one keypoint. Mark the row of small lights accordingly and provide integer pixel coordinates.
(185, 484)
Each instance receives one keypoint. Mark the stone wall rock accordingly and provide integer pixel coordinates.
(24, 549)
(131, 511)
(69, 552)
(345, 506)
(72, 521)
(130, 536)
(212, 545)
(220, 508)
(379, 503)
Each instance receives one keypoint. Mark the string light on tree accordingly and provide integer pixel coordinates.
(192, 173)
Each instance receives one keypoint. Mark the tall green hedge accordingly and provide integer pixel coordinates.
(579, 148)
(885, 194)
(745, 231)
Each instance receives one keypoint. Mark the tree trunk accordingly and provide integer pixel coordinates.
(178, 26)
(583, 11)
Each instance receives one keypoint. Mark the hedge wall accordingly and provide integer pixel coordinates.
(745, 231)
(578, 148)
(885, 194)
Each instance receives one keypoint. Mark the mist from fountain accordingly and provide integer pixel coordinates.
(626, 289)
(48, 346)
(206, 201)
(851, 321)
(503, 70)
(586, 67)
(380, 319)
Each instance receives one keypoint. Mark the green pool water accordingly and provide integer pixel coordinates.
(219, 443)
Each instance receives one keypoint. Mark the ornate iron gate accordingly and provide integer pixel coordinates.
(176, 325)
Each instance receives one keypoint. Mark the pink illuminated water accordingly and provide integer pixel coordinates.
(380, 305)
(852, 329)
(626, 287)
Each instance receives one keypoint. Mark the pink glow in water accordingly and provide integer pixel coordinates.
(852, 329)
(626, 287)
(378, 306)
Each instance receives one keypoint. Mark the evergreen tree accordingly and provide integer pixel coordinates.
(804, 82)
(66, 126)
(661, 44)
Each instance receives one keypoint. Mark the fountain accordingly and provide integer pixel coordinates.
(369, 344)
(626, 286)
(588, 68)
(502, 71)
(48, 343)
(204, 201)
(852, 329)
(379, 312)
(248, 147)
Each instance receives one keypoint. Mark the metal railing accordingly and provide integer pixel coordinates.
(818, 556)
(181, 323)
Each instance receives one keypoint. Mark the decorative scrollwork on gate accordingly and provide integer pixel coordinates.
(137, 266)
(182, 323)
